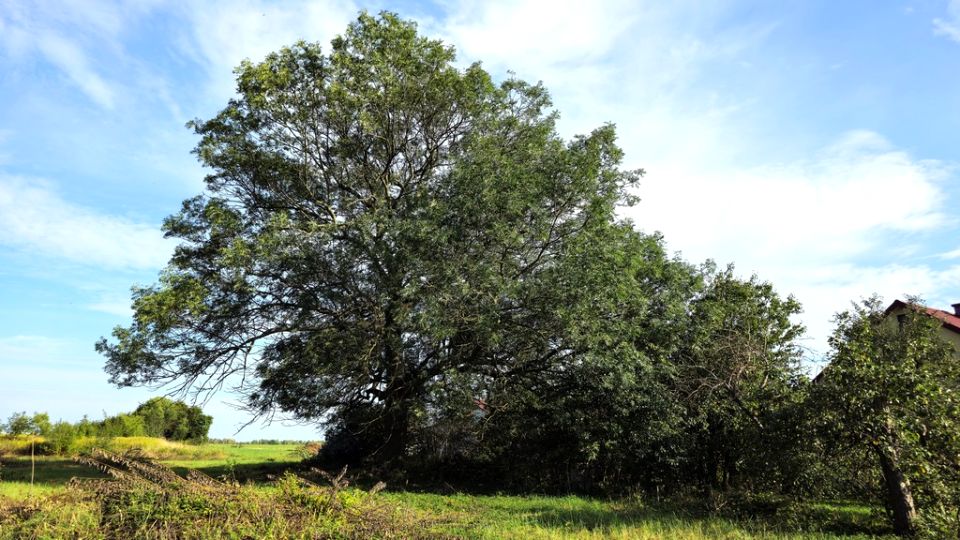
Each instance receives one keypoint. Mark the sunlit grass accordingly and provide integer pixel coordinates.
(23, 490)
(240, 454)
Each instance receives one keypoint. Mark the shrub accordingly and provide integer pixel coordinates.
(62, 438)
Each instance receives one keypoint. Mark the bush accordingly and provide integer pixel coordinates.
(62, 438)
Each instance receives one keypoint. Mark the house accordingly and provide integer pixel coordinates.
(949, 328)
(950, 321)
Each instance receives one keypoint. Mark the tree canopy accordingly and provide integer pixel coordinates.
(378, 224)
(173, 420)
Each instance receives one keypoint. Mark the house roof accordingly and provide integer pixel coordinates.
(949, 320)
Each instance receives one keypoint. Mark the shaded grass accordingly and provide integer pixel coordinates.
(51, 471)
(534, 517)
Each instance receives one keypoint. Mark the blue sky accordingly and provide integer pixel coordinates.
(812, 143)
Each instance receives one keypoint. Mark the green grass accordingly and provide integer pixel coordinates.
(244, 454)
(23, 490)
(242, 461)
(450, 516)
(536, 517)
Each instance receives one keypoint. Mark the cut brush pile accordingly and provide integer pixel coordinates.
(144, 499)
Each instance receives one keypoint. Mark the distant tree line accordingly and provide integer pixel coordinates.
(157, 417)
(406, 252)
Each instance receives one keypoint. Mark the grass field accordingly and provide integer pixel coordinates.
(240, 461)
(434, 516)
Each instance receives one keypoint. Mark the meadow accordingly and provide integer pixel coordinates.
(259, 500)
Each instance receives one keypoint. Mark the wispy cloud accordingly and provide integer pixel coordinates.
(520, 34)
(61, 36)
(828, 289)
(74, 63)
(949, 26)
(36, 220)
(951, 255)
(221, 34)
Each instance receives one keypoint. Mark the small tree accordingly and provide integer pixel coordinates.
(19, 424)
(122, 425)
(40, 424)
(892, 388)
(738, 373)
(62, 437)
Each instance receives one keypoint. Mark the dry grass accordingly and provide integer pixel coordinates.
(152, 447)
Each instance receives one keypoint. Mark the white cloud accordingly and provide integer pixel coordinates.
(222, 34)
(537, 34)
(36, 220)
(808, 225)
(949, 26)
(826, 289)
(638, 64)
(832, 207)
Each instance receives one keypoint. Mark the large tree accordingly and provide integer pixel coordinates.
(377, 223)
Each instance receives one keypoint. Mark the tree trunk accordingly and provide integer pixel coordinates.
(898, 491)
(397, 405)
(396, 428)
